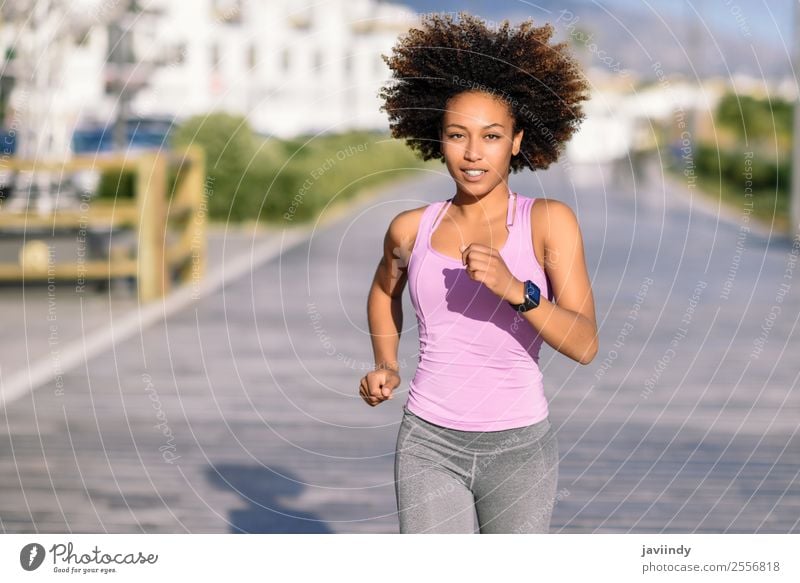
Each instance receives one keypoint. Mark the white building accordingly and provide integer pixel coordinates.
(290, 66)
(56, 73)
(618, 121)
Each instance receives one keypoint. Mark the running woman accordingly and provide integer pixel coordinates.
(492, 274)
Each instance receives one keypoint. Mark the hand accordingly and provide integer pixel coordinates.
(377, 385)
(485, 265)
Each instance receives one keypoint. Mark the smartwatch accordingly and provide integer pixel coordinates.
(532, 294)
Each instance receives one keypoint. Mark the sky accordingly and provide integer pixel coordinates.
(769, 21)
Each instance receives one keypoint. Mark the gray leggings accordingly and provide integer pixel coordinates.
(508, 477)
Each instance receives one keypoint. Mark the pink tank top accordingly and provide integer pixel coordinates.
(478, 366)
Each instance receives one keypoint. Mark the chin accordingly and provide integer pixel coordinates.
(476, 189)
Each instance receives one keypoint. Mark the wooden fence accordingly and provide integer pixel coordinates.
(152, 214)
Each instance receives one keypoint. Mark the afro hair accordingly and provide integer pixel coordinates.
(540, 82)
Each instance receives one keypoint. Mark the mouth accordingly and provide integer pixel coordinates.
(473, 174)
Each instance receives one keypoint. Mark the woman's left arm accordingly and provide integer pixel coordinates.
(568, 325)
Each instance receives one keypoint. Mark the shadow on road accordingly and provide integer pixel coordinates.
(262, 488)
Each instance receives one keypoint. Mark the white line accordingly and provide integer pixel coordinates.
(98, 341)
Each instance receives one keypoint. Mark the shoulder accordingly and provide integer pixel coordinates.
(555, 229)
(552, 216)
(404, 226)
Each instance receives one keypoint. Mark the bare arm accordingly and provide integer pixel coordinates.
(385, 303)
(569, 324)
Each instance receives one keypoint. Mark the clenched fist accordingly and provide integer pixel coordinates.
(377, 385)
(486, 265)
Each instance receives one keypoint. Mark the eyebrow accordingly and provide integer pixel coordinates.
(484, 127)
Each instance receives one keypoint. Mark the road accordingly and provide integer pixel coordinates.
(240, 412)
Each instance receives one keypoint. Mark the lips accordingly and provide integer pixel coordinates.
(473, 174)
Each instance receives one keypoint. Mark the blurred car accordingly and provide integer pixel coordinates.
(142, 133)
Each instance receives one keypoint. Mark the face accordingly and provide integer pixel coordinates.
(477, 134)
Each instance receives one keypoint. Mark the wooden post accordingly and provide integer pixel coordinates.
(194, 192)
(151, 181)
(157, 256)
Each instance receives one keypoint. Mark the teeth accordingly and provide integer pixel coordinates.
(474, 172)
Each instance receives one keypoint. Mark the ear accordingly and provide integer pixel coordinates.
(517, 142)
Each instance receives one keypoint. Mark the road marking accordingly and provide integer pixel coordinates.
(96, 342)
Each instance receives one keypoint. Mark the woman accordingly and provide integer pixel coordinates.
(492, 274)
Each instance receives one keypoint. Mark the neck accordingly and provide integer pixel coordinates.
(482, 208)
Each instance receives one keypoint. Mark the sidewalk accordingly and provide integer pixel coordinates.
(183, 425)
(54, 326)
(240, 412)
(658, 181)
(59, 328)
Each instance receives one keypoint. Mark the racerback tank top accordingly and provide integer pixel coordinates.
(478, 367)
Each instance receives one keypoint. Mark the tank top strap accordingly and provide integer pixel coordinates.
(438, 213)
(513, 211)
(525, 213)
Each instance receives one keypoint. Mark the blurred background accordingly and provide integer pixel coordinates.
(193, 198)
(255, 82)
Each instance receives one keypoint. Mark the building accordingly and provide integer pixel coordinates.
(290, 66)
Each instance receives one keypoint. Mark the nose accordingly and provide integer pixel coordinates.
(471, 154)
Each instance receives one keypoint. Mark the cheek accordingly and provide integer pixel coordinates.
(500, 157)
(502, 151)
(452, 151)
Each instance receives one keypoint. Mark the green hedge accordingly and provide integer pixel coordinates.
(121, 184)
(288, 180)
(768, 175)
(757, 120)
(722, 173)
(763, 123)
(278, 180)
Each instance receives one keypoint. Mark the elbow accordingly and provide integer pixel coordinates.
(590, 352)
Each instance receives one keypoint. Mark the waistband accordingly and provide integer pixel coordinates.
(481, 441)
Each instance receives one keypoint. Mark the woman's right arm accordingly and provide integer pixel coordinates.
(385, 306)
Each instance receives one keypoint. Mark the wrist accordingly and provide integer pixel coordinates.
(388, 364)
(530, 297)
(516, 293)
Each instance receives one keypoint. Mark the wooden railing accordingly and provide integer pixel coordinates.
(151, 214)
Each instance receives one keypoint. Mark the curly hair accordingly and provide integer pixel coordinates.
(540, 82)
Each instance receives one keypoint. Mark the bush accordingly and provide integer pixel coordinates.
(228, 143)
(117, 184)
(758, 120)
(277, 180)
(288, 180)
(767, 175)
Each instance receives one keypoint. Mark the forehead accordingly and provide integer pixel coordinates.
(475, 108)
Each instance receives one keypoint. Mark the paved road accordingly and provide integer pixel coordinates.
(240, 413)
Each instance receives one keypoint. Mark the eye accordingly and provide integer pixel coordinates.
(453, 135)
(493, 136)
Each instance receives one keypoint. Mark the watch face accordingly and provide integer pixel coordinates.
(531, 299)
(531, 294)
